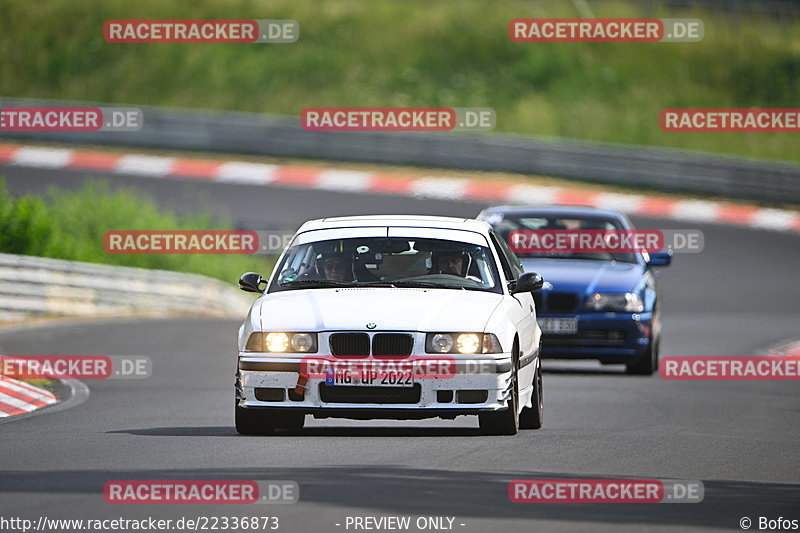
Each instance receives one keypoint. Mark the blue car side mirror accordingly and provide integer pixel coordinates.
(660, 258)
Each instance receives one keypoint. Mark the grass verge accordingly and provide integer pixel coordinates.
(71, 225)
(420, 53)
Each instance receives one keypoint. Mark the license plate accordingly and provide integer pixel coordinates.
(559, 326)
(371, 379)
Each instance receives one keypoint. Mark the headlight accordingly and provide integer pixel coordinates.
(279, 342)
(468, 343)
(276, 342)
(626, 301)
(439, 343)
(464, 343)
(302, 342)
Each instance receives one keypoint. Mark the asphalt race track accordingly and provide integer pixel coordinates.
(737, 297)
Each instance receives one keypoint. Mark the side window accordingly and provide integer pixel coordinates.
(516, 265)
(508, 271)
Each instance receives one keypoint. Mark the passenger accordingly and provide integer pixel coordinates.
(335, 266)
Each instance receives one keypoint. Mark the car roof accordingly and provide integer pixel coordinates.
(562, 210)
(407, 221)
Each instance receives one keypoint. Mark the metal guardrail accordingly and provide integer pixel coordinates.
(277, 136)
(37, 286)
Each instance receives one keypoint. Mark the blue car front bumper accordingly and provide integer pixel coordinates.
(610, 337)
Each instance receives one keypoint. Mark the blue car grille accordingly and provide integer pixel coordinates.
(597, 338)
(556, 302)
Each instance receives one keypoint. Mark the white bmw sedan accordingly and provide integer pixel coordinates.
(398, 317)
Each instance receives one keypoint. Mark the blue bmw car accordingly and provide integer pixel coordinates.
(600, 305)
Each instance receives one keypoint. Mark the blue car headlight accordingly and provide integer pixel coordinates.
(629, 302)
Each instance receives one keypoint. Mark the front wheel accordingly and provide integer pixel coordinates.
(266, 421)
(253, 421)
(503, 422)
(647, 363)
(532, 417)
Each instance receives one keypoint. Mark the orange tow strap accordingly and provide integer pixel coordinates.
(300, 388)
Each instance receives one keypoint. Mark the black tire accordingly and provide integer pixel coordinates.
(290, 420)
(254, 421)
(533, 417)
(647, 363)
(504, 422)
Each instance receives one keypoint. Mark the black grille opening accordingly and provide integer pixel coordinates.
(603, 335)
(392, 344)
(593, 338)
(356, 344)
(562, 302)
(472, 396)
(269, 395)
(444, 396)
(293, 396)
(385, 395)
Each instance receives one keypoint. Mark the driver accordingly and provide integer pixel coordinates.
(450, 262)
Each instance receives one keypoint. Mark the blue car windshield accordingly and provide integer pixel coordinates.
(510, 226)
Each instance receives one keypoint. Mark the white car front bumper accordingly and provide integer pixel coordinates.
(478, 384)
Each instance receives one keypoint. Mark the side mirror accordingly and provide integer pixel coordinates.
(660, 259)
(528, 282)
(250, 282)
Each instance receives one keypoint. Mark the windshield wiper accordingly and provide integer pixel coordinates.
(375, 284)
(424, 284)
(310, 283)
(316, 283)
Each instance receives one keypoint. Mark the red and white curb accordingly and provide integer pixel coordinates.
(790, 350)
(17, 398)
(306, 177)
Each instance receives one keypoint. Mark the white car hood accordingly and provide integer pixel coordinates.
(401, 309)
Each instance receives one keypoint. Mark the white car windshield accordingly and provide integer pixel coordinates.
(388, 262)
